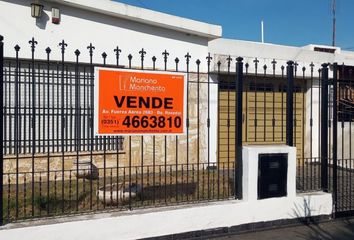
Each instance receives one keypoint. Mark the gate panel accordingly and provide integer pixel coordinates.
(264, 115)
(343, 145)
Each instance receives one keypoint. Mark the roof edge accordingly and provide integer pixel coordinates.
(142, 15)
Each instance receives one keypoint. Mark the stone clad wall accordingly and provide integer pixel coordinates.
(193, 139)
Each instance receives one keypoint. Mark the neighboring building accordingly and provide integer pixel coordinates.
(307, 96)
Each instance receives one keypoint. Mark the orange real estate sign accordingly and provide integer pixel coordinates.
(138, 102)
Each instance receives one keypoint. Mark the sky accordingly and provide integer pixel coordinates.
(294, 22)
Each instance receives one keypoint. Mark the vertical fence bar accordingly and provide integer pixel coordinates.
(63, 125)
(311, 123)
(130, 57)
(187, 56)
(104, 56)
(229, 59)
(33, 46)
(198, 134)
(176, 184)
(1, 127)
(289, 104)
(238, 128)
(91, 86)
(219, 125)
(118, 145)
(142, 54)
(117, 51)
(256, 61)
(77, 123)
(165, 54)
(335, 132)
(324, 129)
(273, 101)
(153, 140)
(17, 48)
(209, 58)
(48, 50)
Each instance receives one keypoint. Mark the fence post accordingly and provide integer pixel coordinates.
(1, 128)
(324, 129)
(238, 142)
(335, 131)
(289, 104)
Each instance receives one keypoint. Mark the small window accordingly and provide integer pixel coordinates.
(284, 88)
(261, 87)
(326, 50)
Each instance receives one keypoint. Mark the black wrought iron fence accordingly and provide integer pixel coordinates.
(52, 163)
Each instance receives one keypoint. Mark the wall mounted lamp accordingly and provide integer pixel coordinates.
(36, 10)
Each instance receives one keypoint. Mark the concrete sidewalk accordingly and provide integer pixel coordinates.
(340, 229)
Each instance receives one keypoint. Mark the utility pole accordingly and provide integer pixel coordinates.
(262, 31)
(334, 23)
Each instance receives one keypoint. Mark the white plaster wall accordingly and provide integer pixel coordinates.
(312, 134)
(345, 57)
(79, 28)
(137, 225)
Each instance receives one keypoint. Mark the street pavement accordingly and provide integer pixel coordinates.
(340, 229)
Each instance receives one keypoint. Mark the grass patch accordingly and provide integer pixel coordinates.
(79, 196)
